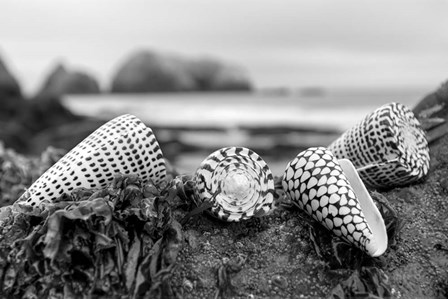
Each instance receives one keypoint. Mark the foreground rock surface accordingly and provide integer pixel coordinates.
(278, 257)
(286, 255)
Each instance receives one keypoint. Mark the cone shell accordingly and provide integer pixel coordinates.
(388, 147)
(123, 145)
(319, 186)
(238, 183)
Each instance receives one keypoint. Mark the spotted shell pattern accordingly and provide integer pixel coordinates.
(316, 182)
(237, 181)
(391, 141)
(123, 145)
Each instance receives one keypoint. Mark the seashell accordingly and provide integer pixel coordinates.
(333, 194)
(122, 145)
(388, 147)
(236, 182)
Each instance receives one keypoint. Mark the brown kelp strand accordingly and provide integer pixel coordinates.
(119, 241)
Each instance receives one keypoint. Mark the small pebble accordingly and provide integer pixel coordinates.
(279, 281)
(444, 184)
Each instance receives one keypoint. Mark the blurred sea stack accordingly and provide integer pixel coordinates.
(10, 92)
(8, 84)
(12, 104)
(148, 71)
(22, 120)
(61, 81)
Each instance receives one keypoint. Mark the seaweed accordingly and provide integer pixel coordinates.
(367, 279)
(120, 241)
(368, 282)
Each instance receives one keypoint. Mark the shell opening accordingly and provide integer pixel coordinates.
(235, 185)
(238, 189)
(378, 244)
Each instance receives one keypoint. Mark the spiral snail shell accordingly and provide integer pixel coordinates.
(333, 194)
(237, 182)
(388, 147)
(122, 145)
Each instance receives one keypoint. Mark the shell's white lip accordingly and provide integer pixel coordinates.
(378, 244)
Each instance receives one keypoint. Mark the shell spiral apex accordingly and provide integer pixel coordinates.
(237, 182)
(388, 147)
(122, 145)
(333, 194)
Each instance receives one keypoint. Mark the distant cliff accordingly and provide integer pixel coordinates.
(147, 71)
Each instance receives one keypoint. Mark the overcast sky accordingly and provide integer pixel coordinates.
(288, 43)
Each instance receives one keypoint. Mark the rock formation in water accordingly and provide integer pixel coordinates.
(147, 71)
(62, 81)
(22, 120)
(212, 75)
(12, 104)
(9, 87)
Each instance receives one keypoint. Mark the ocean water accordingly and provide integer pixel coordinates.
(192, 125)
(337, 109)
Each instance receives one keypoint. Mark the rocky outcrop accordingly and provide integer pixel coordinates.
(11, 99)
(62, 81)
(432, 112)
(437, 100)
(211, 75)
(9, 87)
(12, 106)
(147, 71)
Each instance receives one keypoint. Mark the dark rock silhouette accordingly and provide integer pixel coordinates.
(22, 119)
(151, 72)
(12, 105)
(147, 71)
(9, 87)
(11, 99)
(435, 100)
(211, 75)
(432, 112)
(61, 81)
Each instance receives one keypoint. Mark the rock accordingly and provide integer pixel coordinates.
(434, 104)
(11, 99)
(12, 105)
(9, 87)
(147, 71)
(432, 112)
(61, 81)
(211, 75)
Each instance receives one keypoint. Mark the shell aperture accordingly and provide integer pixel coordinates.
(388, 147)
(122, 145)
(238, 183)
(332, 193)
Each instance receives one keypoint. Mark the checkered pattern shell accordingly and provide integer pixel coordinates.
(388, 147)
(237, 181)
(316, 182)
(122, 145)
